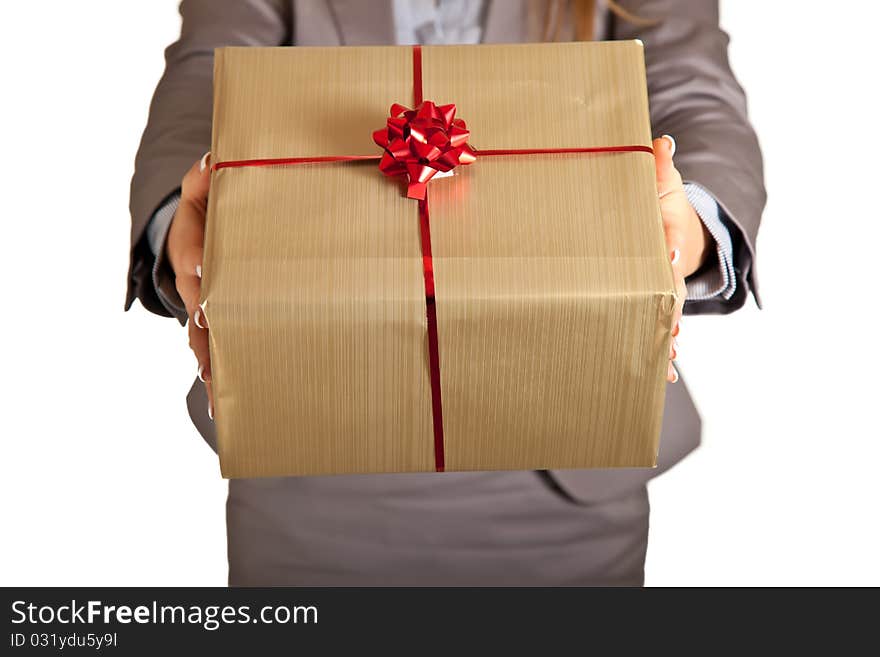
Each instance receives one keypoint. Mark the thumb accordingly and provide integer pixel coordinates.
(668, 177)
(196, 182)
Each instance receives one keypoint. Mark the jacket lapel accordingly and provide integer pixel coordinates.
(362, 23)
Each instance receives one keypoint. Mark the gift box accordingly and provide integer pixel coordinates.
(476, 279)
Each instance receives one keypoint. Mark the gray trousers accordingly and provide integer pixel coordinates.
(449, 529)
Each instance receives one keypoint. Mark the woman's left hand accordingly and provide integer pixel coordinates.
(687, 239)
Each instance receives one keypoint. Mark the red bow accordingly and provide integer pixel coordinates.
(421, 142)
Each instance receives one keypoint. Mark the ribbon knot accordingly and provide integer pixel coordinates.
(422, 142)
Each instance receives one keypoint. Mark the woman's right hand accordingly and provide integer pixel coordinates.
(184, 248)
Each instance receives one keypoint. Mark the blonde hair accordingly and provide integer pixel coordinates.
(582, 14)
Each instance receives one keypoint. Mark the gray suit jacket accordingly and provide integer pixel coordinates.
(693, 96)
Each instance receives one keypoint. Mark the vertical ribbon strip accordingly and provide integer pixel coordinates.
(430, 300)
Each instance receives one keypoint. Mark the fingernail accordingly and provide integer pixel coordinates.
(671, 141)
(203, 163)
(199, 271)
(674, 374)
(674, 350)
(197, 316)
(210, 411)
(675, 256)
(201, 369)
(675, 330)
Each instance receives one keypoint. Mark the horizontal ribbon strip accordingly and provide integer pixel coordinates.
(281, 161)
(284, 161)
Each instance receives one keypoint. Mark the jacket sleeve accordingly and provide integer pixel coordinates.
(178, 128)
(695, 97)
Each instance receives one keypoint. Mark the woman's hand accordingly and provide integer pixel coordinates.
(186, 240)
(686, 237)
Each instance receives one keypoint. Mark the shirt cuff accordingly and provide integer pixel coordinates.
(719, 280)
(163, 277)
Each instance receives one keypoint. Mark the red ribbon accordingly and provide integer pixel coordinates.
(419, 143)
(429, 125)
(433, 344)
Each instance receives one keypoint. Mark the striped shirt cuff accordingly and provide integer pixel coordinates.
(157, 228)
(718, 281)
(163, 281)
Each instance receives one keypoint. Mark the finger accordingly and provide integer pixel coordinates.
(678, 309)
(189, 287)
(673, 343)
(196, 182)
(664, 149)
(186, 236)
(185, 249)
(668, 178)
(671, 373)
(676, 241)
(676, 244)
(210, 390)
(188, 226)
(198, 342)
(680, 298)
(669, 182)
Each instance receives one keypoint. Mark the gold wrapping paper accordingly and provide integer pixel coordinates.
(554, 289)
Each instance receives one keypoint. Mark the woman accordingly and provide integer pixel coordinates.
(585, 527)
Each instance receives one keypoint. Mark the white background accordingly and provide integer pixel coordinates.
(105, 482)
